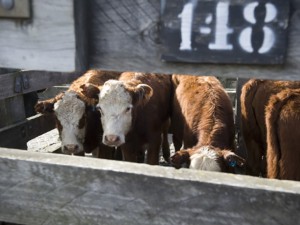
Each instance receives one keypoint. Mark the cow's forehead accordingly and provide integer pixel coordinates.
(114, 92)
(70, 108)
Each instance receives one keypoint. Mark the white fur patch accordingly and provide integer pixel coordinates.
(114, 101)
(205, 159)
(69, 110)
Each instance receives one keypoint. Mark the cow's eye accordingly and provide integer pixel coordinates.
(128, 109)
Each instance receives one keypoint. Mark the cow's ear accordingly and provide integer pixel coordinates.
(232, 159)
(90, 90)
(180, 159)
(143, 93)
(44, 107)
(47, 106)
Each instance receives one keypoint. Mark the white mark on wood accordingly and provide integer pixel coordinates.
(222, 29)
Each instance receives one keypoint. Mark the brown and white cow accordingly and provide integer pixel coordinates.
(254, 97)
(77, 119)
(202, 115)
(207, 158)
(283, 145)
(134, 112)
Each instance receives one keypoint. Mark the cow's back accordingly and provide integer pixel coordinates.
(204, 110)
(283, 146)
(254, 97)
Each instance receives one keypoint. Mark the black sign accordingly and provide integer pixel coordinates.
(220, 31)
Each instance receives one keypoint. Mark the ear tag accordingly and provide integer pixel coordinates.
(232, 163)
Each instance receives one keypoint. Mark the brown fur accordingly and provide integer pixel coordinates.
(283, 146)
(202, 113)
(148, 119)
(202, 116)
(92, 122)
(254, 98)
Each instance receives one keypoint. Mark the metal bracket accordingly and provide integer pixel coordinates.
(25, 81)
(15, 9)
(18, 84)
(21, 83)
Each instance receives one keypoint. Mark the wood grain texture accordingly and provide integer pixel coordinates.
(81, 23)
(18, 134)
(46, 41)
(41, 188)
(37, 80)
(12, 110)
(124, 36)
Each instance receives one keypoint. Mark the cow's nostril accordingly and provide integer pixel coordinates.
(71, 149)
(112, 138)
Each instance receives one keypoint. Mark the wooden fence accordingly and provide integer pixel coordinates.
(43, 188)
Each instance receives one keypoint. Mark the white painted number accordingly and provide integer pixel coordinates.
(269, 36)
(222, 30)
(186, 24)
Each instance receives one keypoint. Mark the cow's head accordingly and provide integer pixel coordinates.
(70, 115)
(117, 102)
(207, 158)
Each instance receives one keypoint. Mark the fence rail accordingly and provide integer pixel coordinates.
(42, 188)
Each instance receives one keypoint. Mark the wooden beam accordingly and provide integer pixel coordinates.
(12, 110)
(35, 80)
(44, 42)
(42, 188)
(17, 135)
(81, 31)
(124, 36)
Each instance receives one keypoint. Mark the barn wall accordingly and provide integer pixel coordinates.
(125, 36)
(46, 41)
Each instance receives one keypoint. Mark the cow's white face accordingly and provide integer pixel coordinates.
(70, 113)
(115, 105)
(205, 159)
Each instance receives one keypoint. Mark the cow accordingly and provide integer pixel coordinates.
(77, 120)
(255, 95)
(283, 146)
(134, 113)
(207, 158)
(202, 115)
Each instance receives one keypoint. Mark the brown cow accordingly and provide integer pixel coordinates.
(202, 116)
(76, 118)
(254, 97)
(207, 158)
(134, 112)
(283, 145)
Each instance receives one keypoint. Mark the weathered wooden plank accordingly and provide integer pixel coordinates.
(81, 32)
(35, 80)
(12, 110)
(127, 33)
(45, 42)
(41, 188)
(17, 135)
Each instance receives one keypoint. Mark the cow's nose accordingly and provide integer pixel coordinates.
(71, 149)
(112, 139)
